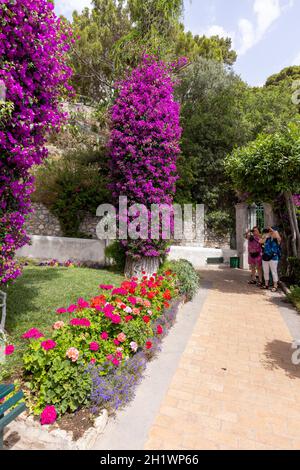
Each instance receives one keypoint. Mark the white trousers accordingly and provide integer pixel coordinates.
(270, 266)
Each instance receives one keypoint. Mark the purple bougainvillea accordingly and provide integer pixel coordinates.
(33, 73)
(144, 143)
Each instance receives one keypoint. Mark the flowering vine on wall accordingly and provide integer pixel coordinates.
(34, 74)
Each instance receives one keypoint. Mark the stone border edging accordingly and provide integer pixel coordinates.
(284, 287)
(33, 436)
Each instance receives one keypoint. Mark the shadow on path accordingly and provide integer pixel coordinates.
(279, 356)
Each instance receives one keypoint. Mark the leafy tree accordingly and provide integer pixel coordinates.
(97, 31)
(220, 112)
(114, 35)
(288, 74)
(269, 167)
(288, 82)
(213, 123)
(214, 47)
(268, 109)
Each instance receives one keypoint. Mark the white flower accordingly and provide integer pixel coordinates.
(134, 346)
(149, 312)
(128, 310)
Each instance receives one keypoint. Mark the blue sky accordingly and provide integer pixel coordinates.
(265, 33)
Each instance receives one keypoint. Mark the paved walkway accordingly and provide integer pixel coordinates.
(235, 386)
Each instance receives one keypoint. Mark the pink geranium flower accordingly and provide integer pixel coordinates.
(80, 322)
(116, 319)
(9, 350)
(72, 354)
(104, 335)
(58, 325)
(33, 333)
(71, 308)
(94, 346)
(121, 337)
(49, 415)
(81, 303)
(106, 287)
(60, 311)
(48, 344)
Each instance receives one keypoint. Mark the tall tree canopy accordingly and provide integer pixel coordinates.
(269, 167)
(114, 35)
(220, 112)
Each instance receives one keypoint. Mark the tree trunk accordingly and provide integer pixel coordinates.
(135, 267)
(292, 223)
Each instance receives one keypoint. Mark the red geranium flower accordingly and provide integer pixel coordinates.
(148, 345)
(146, 319)
(151, 295)
(128, 318)
(98, 301)
(159, 330)
(166, 304)
(167, 295)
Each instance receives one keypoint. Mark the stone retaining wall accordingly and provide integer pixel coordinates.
(42, 222)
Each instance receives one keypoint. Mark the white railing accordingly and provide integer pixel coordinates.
(3, 296)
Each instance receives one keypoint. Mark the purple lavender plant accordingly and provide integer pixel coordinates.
(114, 387)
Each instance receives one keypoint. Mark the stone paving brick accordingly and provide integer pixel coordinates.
(235, 386)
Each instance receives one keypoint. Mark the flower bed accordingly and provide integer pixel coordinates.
(99, 348)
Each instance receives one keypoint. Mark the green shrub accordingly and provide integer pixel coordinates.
(220, 222)
(116, 253)
(294, 270)
(52, 380)
(188, 278)
(72, 186)
(294, 297)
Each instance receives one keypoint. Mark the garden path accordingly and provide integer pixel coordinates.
(235, 386)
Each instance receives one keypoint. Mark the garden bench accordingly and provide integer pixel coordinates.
(11, 414)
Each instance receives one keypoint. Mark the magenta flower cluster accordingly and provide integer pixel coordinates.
(144, 143)
(33, 72)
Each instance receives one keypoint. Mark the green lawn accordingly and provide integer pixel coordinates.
(35, 296)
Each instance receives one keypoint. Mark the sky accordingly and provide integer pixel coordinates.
(265, 33)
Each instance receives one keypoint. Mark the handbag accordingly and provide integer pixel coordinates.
(255, 254)
(267, 257)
